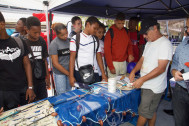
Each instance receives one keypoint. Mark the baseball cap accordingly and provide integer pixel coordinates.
(146, 24)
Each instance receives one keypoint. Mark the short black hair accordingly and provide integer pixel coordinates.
(101, 25)
(120, 16)
(134, 19)
(2, 19)
(32, 21)
(23, 21)
(74, 19)
(58, 27)
(92, 20)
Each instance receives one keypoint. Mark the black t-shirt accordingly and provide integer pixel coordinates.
(39, 49)
(12, 72)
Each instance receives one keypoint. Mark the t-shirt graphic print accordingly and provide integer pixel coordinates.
(37, 52)
(9, 53)
(12, 72)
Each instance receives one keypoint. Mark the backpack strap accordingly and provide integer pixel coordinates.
(20, 44)
(138, 35)
(30, 50)
(98, 44)
(77, 41)
(112, 36)
(111, 33)
(126, 30)
(42, 41)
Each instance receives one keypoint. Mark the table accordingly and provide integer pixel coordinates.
(92, 109)
(97, 108)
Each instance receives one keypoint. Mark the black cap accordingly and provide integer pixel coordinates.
(146, 23)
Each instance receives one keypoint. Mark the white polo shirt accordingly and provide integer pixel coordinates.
(86, 50)
(161, 49)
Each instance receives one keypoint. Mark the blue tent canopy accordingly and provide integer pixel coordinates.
(160, 9)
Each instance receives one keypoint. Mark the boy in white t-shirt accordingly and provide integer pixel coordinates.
(153, 66)
(86, 53)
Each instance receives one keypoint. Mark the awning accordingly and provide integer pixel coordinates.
(160, 9)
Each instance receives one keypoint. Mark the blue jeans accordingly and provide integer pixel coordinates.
(180, 101)
(62, 83)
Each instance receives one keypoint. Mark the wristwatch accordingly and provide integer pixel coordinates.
(30, 87)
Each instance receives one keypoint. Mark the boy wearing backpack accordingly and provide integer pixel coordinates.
(15, 71)
(117, 47)
(84, 50)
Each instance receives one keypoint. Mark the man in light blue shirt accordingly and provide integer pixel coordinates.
(180, 97)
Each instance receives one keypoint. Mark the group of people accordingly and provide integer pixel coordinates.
(24, 74)
(87, 56)
(111, 51)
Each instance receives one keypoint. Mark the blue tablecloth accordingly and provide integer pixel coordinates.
(98, 107)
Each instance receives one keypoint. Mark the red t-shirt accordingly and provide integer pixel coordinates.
(135, 44)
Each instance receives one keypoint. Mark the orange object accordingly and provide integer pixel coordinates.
(113, 110)
(124, 113)
(59, 123)
(101, 122)
(187, 64)
(106, 111)
(54, 114)
(133, 114)
(84, 119)
(122, 77)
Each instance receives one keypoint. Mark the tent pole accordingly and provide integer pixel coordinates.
(50, 21)
(47, 26)
(167, 27)
(46, 3)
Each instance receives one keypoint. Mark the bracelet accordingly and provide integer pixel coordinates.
(30, 87)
